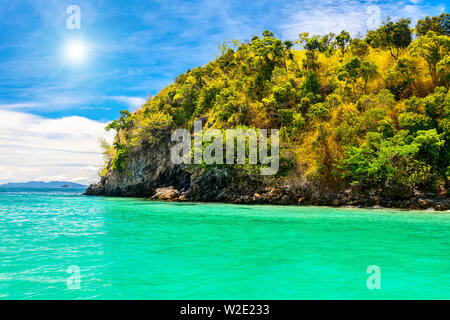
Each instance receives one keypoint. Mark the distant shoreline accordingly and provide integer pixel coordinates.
(42, 184)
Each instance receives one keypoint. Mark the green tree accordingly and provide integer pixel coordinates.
(393, 36)
(312, 47)
(342, 40)
(327, 44)
(355, 69)
(433, 48)
(302, 39)
(359, 47)
(369, 71)
(124, 122)
(440, 25)
(443, 68)
(399, 80)
(271, 51)
(350, 72)
(372, 39)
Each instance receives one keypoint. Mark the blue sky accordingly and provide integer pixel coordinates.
(52, 110)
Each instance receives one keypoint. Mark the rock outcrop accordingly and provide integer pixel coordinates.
(167, 193)
(150, 173)
(146, 169)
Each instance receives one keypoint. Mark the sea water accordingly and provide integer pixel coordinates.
(58, 244)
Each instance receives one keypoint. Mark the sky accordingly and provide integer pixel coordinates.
(64, 75)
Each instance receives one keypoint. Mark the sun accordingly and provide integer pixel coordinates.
(76, 52)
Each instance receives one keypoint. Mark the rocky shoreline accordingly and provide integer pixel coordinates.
(216, 185)
(422, 203)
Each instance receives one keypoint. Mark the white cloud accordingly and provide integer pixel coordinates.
(132, 102)
(24, 105)
(324, 16)
(95, 108)
(37, 148)
(48, 102)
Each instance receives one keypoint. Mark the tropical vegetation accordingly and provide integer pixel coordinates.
(373, 109)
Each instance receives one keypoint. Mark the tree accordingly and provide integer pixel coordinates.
(342, 40)
(440, 25)
(359, 47)
(443, 68)
(124, 122)
(350, 72)
(271, 51)
(433, 48)
(368, 71)
(372, 39)
(393, 36)
(399, 80)
(302, 39)
(310, 89)
(327, 43)
(397, 161)
(310, 62)
(355, 69)
(312, 46)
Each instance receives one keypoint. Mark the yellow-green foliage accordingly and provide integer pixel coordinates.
(371, 110)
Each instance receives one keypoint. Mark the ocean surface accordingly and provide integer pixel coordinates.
(58, 244)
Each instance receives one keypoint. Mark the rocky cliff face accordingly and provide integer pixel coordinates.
(146, 170)
(150, 173)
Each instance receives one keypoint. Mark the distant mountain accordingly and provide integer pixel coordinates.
(41, 184)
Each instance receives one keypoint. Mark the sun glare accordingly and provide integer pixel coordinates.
(76, 51)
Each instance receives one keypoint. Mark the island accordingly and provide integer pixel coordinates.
(362, 121)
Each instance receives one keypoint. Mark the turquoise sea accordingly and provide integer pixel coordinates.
(140, 249)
